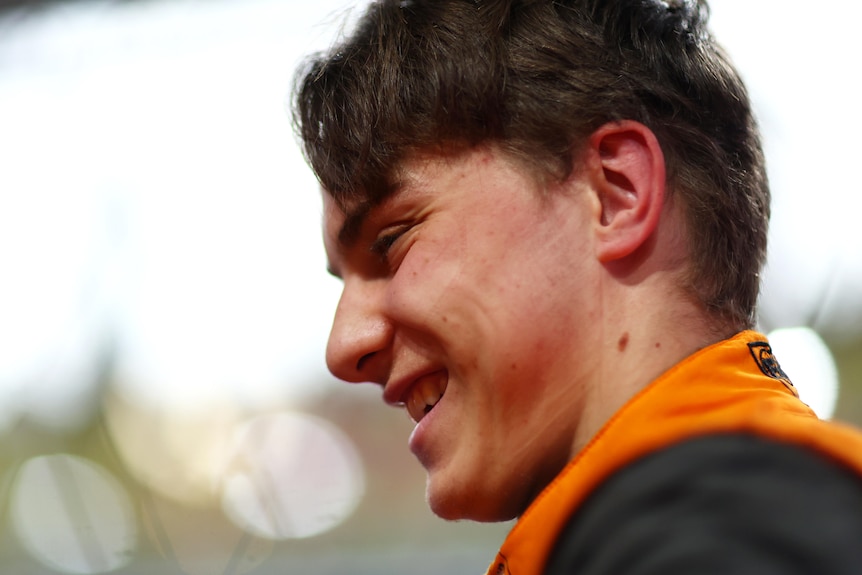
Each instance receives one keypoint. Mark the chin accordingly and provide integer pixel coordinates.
(468, 504)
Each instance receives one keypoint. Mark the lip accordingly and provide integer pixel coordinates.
(426, 432)
(420, 440)
(396, 392)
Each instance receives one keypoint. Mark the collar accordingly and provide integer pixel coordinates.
(733, 385)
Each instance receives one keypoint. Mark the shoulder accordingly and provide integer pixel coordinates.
(719, 504)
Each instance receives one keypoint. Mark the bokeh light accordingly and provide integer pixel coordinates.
(72, 515)
(179, 455)
(809, 364)
(293, 476)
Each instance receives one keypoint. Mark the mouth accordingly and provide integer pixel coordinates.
(425, 394)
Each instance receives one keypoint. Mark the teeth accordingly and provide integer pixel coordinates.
(415, 407)
(424, 396)
(429, 392)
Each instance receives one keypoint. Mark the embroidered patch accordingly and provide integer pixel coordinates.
(500, 566)
(765, 360)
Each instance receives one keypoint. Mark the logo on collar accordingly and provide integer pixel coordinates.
(500, 566)
(765, 360)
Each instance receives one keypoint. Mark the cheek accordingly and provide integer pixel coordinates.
(423, 278)
(477, 281)
(439, 288)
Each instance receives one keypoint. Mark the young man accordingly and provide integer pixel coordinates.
(550, 218)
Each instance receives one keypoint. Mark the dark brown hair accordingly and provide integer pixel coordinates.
(536, 78)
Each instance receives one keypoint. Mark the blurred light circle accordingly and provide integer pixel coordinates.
(809, 364)
(72, 515)
(293, 476)
(177, 454)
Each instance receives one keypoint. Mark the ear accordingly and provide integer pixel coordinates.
(626, 166)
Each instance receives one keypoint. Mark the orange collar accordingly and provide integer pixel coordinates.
(732, 386)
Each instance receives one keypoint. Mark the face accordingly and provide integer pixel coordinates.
(467, 297)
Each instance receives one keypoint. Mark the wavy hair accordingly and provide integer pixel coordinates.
(536, 78)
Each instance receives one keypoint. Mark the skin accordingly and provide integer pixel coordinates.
(535, 305)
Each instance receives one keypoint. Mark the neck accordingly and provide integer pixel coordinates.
(636, 342)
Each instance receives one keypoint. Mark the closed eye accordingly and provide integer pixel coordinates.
(383, 244)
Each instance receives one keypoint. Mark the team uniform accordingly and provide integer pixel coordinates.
(715, 467)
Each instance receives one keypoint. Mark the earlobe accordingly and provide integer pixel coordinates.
(627, 169)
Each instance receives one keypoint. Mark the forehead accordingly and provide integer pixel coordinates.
(334, 218)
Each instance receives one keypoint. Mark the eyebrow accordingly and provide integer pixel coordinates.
(354, 220)
(351, 228)
(356, 217)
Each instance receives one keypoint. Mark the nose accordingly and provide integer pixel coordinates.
(359, 346)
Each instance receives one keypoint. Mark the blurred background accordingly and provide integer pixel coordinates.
(164, 406)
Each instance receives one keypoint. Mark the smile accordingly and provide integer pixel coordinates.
(425, 394)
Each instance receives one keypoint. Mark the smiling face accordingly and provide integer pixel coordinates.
(469, 295)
